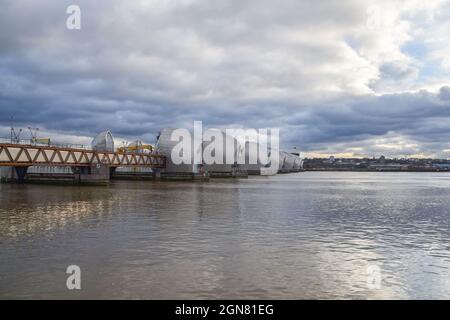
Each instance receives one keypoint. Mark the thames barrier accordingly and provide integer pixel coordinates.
(38, 160)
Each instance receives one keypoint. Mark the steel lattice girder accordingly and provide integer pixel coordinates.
(14, 155)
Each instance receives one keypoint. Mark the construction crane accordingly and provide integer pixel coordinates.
(15, 136)
(35, 139)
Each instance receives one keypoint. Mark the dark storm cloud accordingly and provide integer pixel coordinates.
(420, 115)
(136, 67)
(445, 93)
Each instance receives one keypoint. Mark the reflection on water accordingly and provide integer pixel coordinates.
(307, 235)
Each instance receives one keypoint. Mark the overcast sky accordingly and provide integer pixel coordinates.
(337, 77)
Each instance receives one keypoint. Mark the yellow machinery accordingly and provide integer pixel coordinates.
(45, 141)
(35, 139)
(136, 148)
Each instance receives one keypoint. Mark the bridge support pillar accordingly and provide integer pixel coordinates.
(157, 174)
(95, 174)
(112, 172)
(21, 173)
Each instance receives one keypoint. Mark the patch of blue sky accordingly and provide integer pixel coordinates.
(428, 68)
(415, 49)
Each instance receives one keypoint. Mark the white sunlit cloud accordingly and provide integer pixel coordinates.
(334, 76)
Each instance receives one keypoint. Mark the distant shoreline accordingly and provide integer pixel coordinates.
(374, 170)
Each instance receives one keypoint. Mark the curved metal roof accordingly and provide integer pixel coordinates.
(104, 141)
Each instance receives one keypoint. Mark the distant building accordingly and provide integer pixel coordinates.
(376, 164)
(388, 167)
(442, 166)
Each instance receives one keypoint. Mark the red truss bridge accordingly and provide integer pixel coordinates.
(18, 155)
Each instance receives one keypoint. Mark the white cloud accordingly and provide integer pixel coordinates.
(138, 65)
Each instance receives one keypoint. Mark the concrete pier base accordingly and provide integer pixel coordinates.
(13, 174)
(97, 175)
(254, 172)
(133, 176)
(8, 174)
(183, 176)
(228, 174)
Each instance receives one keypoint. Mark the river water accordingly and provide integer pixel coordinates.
(343, 235)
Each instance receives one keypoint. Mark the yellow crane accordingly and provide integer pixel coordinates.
(35, 139)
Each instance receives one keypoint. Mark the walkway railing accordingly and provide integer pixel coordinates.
(30, 142)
